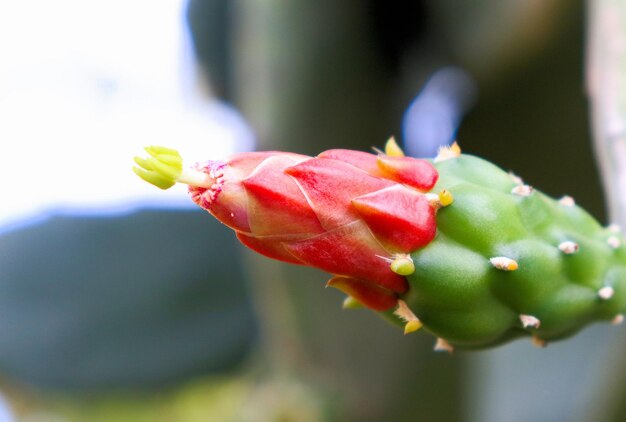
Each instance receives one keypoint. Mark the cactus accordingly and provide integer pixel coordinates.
(457, 245)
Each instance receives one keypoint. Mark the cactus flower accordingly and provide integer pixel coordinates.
(353, 214)
(455, 245)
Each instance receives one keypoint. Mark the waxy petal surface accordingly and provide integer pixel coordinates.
(401, 218)
(276, 203)
(352, 251)
(271, 246)
(370, 295)
(330, 185)
(416, 173)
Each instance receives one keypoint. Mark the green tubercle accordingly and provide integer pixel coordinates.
(164, 168)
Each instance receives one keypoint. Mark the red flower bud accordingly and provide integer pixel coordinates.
(349, 213)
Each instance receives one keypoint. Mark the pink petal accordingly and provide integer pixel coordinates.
(276, 204)
(418, 174)
(350, 251)
(363, 160)
(330, 185)
(401, 218)
(369, 294)
(270, 246)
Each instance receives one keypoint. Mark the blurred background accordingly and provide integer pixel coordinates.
(121, 302)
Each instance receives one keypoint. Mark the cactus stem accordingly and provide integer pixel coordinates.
(606, 292)
(392, 148)
(529, 321)
(403, 265)
(351, 303)
(618, 319)
(443, 346)
(568, 247)
(614, 242)
(503, 263)
(406, 314)
(538, 342)
(567, 201)
(445, 153)
(522, 190)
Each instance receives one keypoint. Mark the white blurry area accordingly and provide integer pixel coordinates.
(84, 85)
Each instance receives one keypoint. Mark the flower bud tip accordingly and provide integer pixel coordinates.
(412, 326)
(403, 265)
(351, 303)
(392, 148)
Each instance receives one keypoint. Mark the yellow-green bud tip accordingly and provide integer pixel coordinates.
(351, 303)
(403, 265)
(392, 148)
(412, 326)
(162, 168)
(445, 198)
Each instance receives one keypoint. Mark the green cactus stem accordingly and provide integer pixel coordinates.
(509, 261)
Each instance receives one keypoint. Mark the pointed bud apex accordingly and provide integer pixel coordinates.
(404, 312)
(568, 247)
(351, 303)
(606, 293)
(522, 190)
(614, 242)
(538, 342)
(529, 321)
(618, 319)
(503, 263)
(445, 198)
(403, 265)
(443, 346)
(412, 326)
(567, 201)
(445, 153)
(392, 148)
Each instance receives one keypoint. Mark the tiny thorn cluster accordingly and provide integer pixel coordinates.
(455, 246)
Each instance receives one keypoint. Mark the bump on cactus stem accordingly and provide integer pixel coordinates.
(614, 242)
(447, 152)
(567, 201)
(568, 247)
(504, 263)
(606, 293)
(522, 190)
(442, 345)
(529, 321)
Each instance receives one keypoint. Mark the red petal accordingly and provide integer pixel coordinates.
(419, 174)
(369, 294)
(270, 246)
(401, 218)
(330, 185)
(244, 163)
(276, 204)
(351, 251)
(363, 160)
